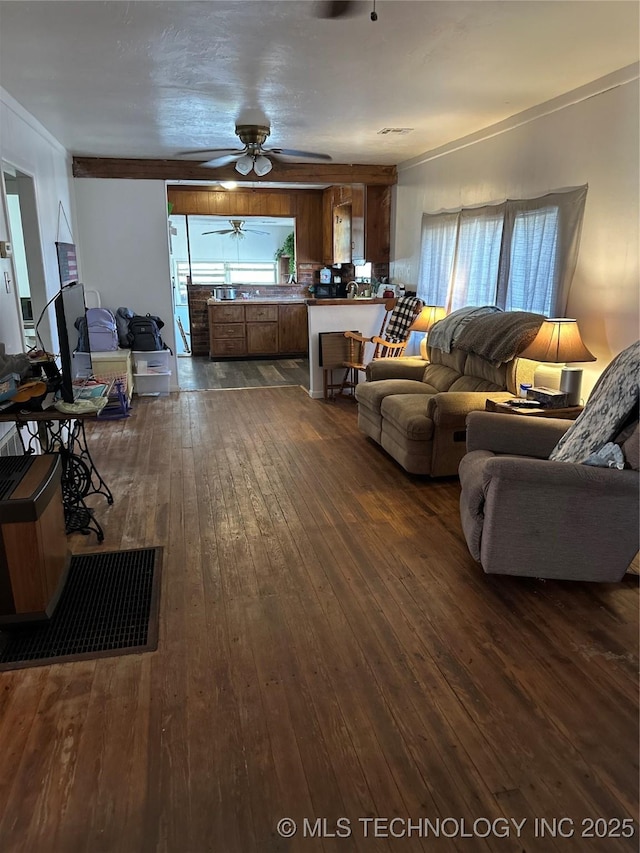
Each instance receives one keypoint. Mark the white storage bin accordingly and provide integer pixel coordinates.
(156, 360)
(151, 384)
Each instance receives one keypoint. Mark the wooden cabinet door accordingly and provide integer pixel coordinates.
(262, 338)
(358, 255)
(377, 224)
(293, 335)
(342, 234)
(327, 226)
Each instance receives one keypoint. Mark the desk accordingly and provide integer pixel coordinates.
(52, 431)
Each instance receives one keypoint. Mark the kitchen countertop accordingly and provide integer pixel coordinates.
(374, 300)
(273, 300)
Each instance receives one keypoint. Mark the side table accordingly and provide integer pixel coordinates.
(567, 413)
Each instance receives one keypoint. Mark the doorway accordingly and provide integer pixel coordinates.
(243, 253)
(27, 254)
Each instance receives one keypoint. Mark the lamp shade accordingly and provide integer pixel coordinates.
(262, 165)
(244, 164)
(558, 341)
(429, 315)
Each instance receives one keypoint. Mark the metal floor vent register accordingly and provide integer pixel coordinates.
(109, 606)
(12, 469)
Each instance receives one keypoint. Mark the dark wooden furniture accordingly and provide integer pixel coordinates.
(356, 224)
(567, 413)
(33, 548)
(52, 431)
(257, 329)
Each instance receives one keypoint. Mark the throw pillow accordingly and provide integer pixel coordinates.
(613, 397)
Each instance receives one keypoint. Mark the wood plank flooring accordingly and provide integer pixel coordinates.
(202, 374)
(328, 650)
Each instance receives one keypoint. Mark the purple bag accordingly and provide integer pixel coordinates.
(103, 332)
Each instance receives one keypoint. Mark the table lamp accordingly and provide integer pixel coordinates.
(429, 315)
(558, 340)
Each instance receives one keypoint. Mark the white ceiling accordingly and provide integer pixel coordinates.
(148, 79)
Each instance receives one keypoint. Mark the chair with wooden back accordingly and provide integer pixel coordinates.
(390, 342)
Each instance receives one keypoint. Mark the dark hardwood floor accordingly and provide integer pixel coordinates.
(328, 649)
(201, 374)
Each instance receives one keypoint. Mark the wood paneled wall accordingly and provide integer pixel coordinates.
(305, 206)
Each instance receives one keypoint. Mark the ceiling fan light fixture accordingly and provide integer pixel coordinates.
(262, 165)
(244, 164)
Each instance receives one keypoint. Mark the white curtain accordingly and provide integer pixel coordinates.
(437, 252)
(476, 259)
(518, 255)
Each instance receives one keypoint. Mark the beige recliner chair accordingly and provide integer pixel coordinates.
(530, 505)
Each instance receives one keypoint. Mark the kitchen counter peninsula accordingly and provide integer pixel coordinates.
(360, 300)
(339, 315)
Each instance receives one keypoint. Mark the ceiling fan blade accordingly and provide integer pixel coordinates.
(227, 231)
(251, 231)
(335, 8)
(291, 152)
(223, 160)
(204, 153)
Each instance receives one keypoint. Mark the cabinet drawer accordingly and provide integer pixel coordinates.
(231, 346)
(226, 313)
(261, 313)
(227, 330)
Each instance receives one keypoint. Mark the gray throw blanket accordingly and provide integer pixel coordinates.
(500, 337)
(609, 406)
(444, 334)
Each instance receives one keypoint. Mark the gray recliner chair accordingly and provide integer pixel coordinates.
(537, 497)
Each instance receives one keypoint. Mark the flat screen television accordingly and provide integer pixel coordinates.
(69, 305)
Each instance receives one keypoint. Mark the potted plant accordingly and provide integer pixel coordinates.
(288, 250)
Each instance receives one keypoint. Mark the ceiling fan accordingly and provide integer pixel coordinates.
(253, 155)
(237, 230)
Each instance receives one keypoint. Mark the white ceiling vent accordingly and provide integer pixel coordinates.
(398, 131)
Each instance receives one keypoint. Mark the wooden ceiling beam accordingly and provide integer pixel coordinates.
(184, 170)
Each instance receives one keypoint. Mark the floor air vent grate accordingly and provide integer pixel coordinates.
(109, 606)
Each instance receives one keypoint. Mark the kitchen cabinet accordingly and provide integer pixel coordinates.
(358, 255)
(368, 209)
(261, 329)
(293, 334)
(342, 234)
(262, 338)
(267, 329)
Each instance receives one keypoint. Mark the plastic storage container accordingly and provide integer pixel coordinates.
(151, 384)
(151, 373)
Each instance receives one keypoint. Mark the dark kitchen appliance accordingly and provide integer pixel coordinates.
(341, 290)
(325, 291)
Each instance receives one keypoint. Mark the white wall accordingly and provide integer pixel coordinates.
(123, 247)
(25, 144)
(593, 141)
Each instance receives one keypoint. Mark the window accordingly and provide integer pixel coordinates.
(518, 255)
(218, 273)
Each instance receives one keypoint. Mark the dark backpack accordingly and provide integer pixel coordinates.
(123, 315)
(144, 333)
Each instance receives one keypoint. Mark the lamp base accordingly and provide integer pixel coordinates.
(571, 384)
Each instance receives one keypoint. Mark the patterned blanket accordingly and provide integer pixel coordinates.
(609, 406)
(444, 334)
(402, 317)
(499, 337)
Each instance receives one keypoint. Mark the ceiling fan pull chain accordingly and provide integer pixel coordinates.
(374, 14)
